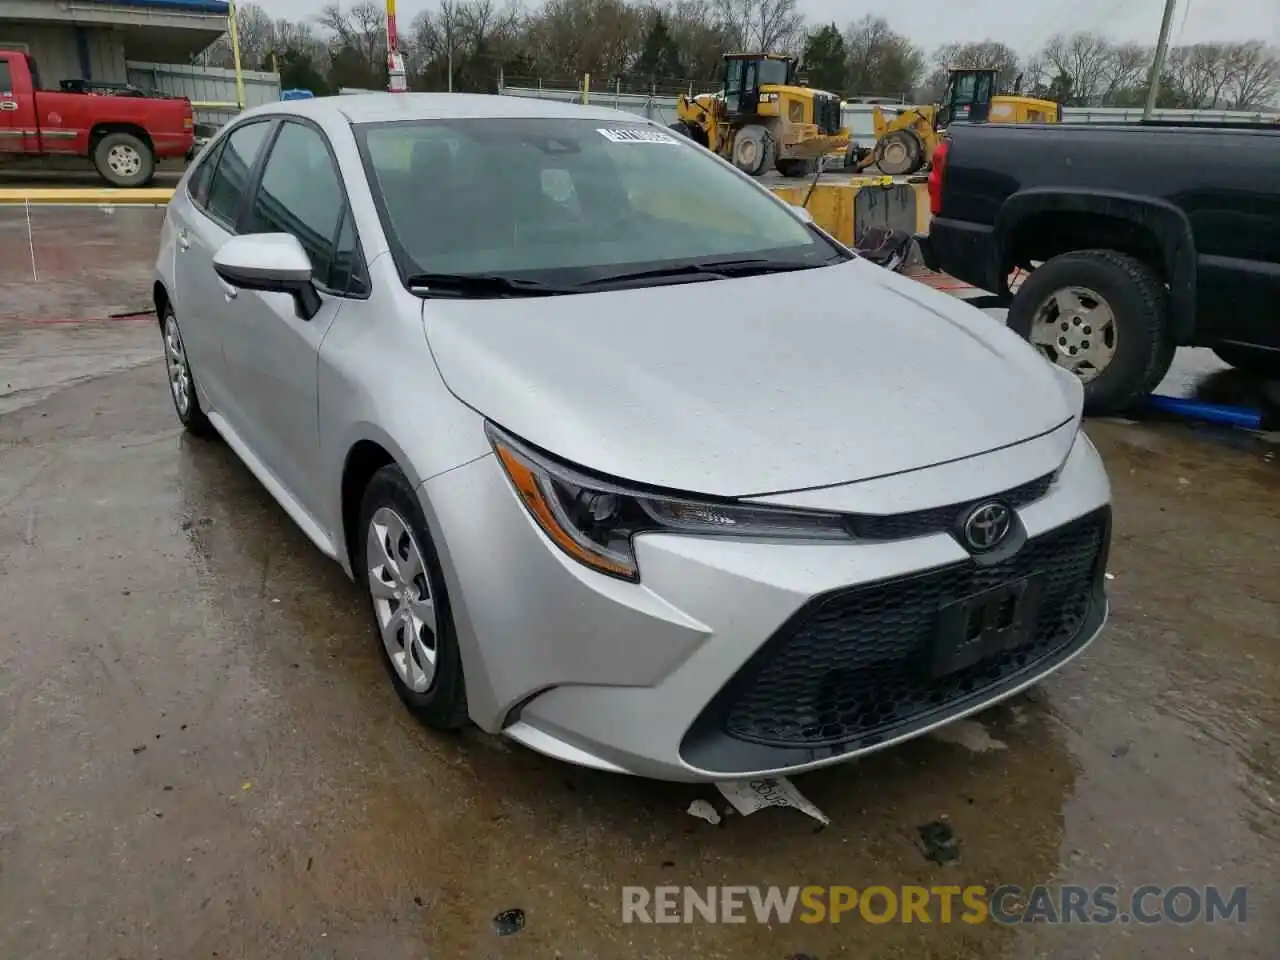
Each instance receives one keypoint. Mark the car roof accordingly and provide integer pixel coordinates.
(383, 107)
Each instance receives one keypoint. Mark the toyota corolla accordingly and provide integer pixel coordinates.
(637, 466)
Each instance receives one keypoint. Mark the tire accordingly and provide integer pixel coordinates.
(690, 131)
(899, 153)
(182, 381)
(1254, 360)
(1131, 351)
(124, 160)
(796, 168)
(391, 520)
(754, 151)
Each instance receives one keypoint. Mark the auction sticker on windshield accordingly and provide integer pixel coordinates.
(635, 136)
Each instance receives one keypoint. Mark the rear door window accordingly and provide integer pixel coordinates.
(6, 79)
(230, 183)
(202, 176)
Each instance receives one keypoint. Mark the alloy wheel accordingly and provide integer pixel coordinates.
(124, 160)
(402, 600)
(1075, 328)
(175, 361)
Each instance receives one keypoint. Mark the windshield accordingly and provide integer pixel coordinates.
(568, 201)
(773, 71)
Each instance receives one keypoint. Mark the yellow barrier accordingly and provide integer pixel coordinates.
(84, 196)
(840, 207)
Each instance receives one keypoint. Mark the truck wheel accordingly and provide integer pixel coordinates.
(1102, 315)
(123, 160)
(796, 168)
(899, 152)
(1263, 363)
(753, 150)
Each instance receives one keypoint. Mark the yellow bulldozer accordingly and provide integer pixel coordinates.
(763, 118)
(905, 143)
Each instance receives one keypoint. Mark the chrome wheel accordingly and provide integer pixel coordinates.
(175, 361)
(402, 600)
(124, 160)
(1076, 328)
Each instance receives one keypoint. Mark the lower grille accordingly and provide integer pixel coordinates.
(849, 665)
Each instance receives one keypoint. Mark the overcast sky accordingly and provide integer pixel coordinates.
(1023, 24)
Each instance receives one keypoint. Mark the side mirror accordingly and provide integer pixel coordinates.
(270, 263)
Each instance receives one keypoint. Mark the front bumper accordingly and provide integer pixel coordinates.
(692, 674)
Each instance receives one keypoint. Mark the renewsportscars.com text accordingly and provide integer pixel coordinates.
(1006, 904)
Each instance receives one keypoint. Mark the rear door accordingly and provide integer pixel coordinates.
(272, 354)
(204, 218)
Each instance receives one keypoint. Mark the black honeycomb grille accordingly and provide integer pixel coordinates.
(920, 523)
(848, 666)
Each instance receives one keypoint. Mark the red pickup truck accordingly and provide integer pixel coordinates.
(122, 136)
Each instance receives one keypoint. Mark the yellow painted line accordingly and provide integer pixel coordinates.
(81, 196)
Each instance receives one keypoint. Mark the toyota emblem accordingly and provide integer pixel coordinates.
(986, 526)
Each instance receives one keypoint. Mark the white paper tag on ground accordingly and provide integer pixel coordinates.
(635, 136)
(748, 796)
(704, 811)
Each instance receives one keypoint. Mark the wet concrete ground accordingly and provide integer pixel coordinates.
(200, 754)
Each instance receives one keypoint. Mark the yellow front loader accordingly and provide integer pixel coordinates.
(762, 119)
(905, 142)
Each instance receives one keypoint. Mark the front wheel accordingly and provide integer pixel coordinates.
(1102, 315)
(753, 150)
(899, 153)
(411, 615)
(124, 160)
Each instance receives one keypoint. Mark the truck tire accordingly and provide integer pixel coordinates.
(797, 168)
(1102, 315)
(124, 160)
(899, 153)
(1255, 360)
(754, 150)
(691, 131)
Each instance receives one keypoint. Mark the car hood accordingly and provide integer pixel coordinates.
(749, 386)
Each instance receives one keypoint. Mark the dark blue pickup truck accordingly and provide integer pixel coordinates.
(1132, 240)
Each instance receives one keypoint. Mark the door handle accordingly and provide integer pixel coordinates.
(8, 105)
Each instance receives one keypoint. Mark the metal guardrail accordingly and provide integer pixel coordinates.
(858, 116)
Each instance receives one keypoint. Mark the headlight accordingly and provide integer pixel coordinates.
(593, 520)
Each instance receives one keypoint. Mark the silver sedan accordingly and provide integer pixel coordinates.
(637, 466)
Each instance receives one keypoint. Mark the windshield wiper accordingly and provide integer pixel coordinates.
(480, 285)
(706, 269)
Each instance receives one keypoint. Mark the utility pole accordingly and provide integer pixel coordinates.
(1157, 66)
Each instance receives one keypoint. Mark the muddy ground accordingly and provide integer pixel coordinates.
(200, 754)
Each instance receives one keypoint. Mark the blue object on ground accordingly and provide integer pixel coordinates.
(1209, 412)
(296, 95)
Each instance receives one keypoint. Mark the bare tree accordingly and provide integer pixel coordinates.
(1255, 75)
(880, 61)
(361, 27)
(1126, 69)
(983, 55)
(767, 26)
(700, 35)
(1081, 60)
